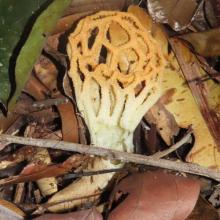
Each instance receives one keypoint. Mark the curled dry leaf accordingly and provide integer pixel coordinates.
(69, 122)
(90, 214)
(205, 43)
(155, 196)
(9, 211)
(171, 12)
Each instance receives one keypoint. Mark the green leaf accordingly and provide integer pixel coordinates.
(14, 15)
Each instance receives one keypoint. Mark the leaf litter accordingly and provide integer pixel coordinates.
(162, 195)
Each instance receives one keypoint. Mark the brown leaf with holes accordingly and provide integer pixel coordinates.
(36, 171)
(155, 196)
(89, 214)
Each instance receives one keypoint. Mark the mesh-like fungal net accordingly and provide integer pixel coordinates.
(114, 67)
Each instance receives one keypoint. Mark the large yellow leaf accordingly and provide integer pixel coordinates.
(183, 105)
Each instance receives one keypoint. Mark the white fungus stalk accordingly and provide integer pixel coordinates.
(114, 65)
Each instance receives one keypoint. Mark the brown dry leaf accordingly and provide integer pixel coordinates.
(89, 214)
(46, 72)
(36, 89)
(9, 211)
(69, 122)
(155, 196)
(79, 6)
(46, 185)
(6, 122)
(171, 12)
(205, 43)
(35, 171)
(203, 211)
(164, 121)
(20, 155)
(183, 106)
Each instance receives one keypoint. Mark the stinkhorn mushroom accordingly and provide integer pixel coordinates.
(115, 67)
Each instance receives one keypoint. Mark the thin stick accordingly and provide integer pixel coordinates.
(114, 155)
(174, 147)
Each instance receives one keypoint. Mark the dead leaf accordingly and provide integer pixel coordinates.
(171, 12)
(36, 89)
(205, 43)
(20, 155)
(69, 122)
(164, 121)
(200, 91)
(203, 211)
(79, 6)
(36, 171)
(9, 211)
(155, 196)
(89, 214)
(47, 185)
(46, 72)
(214, 199)
(216, 7)
(66, 22)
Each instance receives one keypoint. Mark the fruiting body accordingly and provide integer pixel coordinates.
(115, 66)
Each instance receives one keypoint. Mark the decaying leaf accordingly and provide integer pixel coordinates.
(33, 172)
(90, 214)
(20, 155)
(79, 6)
(206, 95)
(164, 121)
(203, 211)
(155, 195)
(48, 185)
(6, 122)
(69, 122)
(171, 12)
(204, 151)
(36, 88)
(205, 43)
(9, 211)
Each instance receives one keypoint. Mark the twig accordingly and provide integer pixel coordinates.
(174, 147)
(114, 155)
(93, 173)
